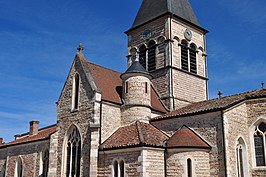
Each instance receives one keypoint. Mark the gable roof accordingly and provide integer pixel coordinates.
(43, 134)
(135, 134)
(186, 138)
(152, 9)
(213, 104)
(110, 84)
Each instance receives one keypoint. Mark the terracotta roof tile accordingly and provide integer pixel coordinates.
(135, 134)
(186, 138)
(110, 85)
(213, 104)
(43, 133)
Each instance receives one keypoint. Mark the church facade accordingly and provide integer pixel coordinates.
(153, 120)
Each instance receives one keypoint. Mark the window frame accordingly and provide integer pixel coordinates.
(75, 92)
(190, 48)
(67, 165)
(118, 168)
(257, 131)
(19, 168)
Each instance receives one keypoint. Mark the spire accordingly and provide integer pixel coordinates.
(151, 9)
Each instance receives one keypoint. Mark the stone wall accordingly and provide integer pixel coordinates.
(130, 158)
(87, 114)
(256, 112)
(30, 155)
(235, 127)
(111, 120)
(209, 127)
(139, 162)
(177, 163)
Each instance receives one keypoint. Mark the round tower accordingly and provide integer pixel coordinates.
(136, 94)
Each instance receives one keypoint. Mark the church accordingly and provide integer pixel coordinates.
(153, 120)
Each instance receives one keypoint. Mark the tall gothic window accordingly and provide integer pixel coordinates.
(189, 168)
(151, 56)
(118, 169)
(142, 56)
(193, 58)
(73, 155)
(75, 92)
(259, 143)
(19, 168)
(45, 165)
(184, 55)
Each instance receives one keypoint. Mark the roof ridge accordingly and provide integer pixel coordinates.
(139, 132)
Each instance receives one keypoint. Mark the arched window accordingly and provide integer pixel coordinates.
(151, 56)
(259, 143)
(189, 168)
(19, 168)
(184, 55)
(75, 92)
(122, 168)
(118, 169)
(45, 165)
(73, 153)
(142, 56)
(193, 58)
(241, 159)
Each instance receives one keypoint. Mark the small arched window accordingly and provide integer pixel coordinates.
(259, 143)
(73, 154)
(45, 165)
(142, 56)
(75, 92)
(193, 58)
(118, 169)
(184, 55)
(151, 56)
(189, 168)
(19, 168)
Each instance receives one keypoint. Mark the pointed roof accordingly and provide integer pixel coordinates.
(135, 134)
(137, 68)
(152, 9)
(184, 138)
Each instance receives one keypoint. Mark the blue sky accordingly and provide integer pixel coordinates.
(38, 41)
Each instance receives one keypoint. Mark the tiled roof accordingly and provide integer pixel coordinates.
(110, 85)
(186, 138)
(43, 134)
(135, 134)
(214, 104)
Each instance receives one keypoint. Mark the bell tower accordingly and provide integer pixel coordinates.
(169, 42)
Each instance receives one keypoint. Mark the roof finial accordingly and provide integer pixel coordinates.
(80, 48)
(262, 84)
(220, 94)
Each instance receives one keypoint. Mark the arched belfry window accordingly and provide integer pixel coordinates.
(184, 55)
(259, 144)
(118, 169)
(75, 92)
(151, 56)
(19, 168)
(193, 58)
(73, 153)
(142, 56)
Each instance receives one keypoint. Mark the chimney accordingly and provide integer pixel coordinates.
(34, 127)
(1, 141)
